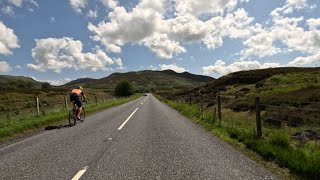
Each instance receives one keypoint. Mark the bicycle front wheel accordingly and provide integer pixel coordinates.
(82, 115)
(72, 118)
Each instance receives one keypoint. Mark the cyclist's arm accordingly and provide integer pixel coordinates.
(84, 97)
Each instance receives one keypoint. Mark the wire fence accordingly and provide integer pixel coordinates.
(265, 113)
(10, 107)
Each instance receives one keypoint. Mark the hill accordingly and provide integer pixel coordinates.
(79, 81)
(187, 75)
(251, 77)
(274, 86)
(146, 81)
(17, 82)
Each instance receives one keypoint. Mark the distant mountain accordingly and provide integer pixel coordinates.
(186, 75)
(79, 81)
(161, 81)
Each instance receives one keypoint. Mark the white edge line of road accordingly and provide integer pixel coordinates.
(80, 173)
(127, 119)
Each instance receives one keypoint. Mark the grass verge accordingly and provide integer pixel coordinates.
(302, 159)
(16, 126)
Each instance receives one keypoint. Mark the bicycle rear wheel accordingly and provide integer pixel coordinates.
(72, 118)
(82, 115)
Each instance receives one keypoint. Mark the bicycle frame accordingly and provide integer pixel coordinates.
(73, 114)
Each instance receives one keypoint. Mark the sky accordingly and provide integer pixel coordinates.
(62, 40)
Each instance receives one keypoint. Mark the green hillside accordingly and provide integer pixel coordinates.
(277, 87)
(257, 82)
(13, 82)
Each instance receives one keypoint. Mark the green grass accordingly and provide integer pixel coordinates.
(20, 124)
(301, 158)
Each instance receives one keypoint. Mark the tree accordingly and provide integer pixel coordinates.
(45, 86)
(123, 88)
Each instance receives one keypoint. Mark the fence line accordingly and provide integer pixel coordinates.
(292, 108)
(280, 120)
(286, 101)
(258, 107)
(295, 116)
(39, 104)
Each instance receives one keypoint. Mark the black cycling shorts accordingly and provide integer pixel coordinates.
(76, 99)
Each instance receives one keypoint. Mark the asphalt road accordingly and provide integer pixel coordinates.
(143, 139)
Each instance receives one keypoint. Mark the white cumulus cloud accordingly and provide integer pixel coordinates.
(21, 3)
(7, 10)
(261, 45)
(17, 3)
(110, 3)
(66, 53)
(289, 7)
(151, 67)
(303, 61)
(54, 82)
(127, 27)
(173, 67)
(165, 36)
(8, 40)
(5, 67)
(93, 14)
(163, 46)
(220, 67)
(197, 8)
(78, 5)
(18, 67)
(313, 24)
(288, 32)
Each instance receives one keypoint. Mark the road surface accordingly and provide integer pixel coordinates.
(143, 139)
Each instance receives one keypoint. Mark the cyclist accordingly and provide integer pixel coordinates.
(75, 98)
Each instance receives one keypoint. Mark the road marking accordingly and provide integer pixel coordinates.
(127, 119)
(141, 103)
(80, 173)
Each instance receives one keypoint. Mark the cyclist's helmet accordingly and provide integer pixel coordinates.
(80, 87)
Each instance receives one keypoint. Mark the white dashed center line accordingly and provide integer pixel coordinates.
(127, 119)
(80, 173)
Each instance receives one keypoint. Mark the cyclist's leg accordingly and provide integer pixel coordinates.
(80, 111)
(79, 104)
(73, 99)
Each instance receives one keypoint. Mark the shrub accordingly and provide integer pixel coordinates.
(45, 86)
(123, 88)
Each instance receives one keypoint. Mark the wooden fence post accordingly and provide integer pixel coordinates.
(65, 103)
(258, 117)
(214, 114)
(219, 107)
(201, 106)
(37, 105)
(96, 99)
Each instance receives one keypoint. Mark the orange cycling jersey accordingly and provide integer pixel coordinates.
(76, 91)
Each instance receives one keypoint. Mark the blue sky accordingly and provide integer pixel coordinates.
(58, 41)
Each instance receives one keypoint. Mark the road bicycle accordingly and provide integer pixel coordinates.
(73, 115)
